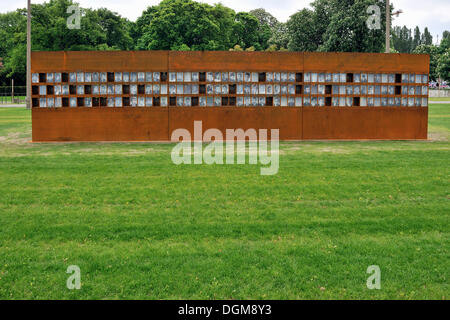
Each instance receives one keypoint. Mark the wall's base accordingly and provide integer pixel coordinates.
(157, 124)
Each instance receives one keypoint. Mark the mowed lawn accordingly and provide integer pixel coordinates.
(140, 227)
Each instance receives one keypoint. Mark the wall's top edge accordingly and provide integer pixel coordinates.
(48, 61)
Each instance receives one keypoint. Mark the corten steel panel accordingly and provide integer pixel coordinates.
(99, 61)
(100, 124)
(366, 62)
(287, 120)
(235, 61)
(157, 124)
(365, 123)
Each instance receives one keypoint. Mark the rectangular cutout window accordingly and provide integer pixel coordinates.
(349, 77)
(65, 102)
(42, 77)
(262, 77)
(356, 101)
(110, 76)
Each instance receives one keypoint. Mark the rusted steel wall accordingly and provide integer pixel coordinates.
(365, 123)
(100, 124)
(295, 123)
(287, 120)
(366, 62)
(235, 61)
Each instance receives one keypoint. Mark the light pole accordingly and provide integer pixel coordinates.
(388, 27)
(388, 24)
(28, 54)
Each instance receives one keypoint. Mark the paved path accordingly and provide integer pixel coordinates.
(439, 102)
(12, 105)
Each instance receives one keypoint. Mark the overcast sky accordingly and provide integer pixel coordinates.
(434, 14)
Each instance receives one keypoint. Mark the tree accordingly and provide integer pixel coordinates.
(402, 39)
(434, 53)
(268, 29)
(417, 38)
(174, 23)
(246, 30)
(427, 38)
(302, 34)
(443, 65)
(445, 42)
(336, 25)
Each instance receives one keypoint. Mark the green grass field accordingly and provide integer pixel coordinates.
(440, 99)
(140, 227)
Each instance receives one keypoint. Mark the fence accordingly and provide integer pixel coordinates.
(10, 95)
(443, 93)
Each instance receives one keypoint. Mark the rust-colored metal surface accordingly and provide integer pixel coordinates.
(100, 124)
(365, 123)
(287, 120)
(165, 112)
(366, 62)
(235, 61)
(100, 61)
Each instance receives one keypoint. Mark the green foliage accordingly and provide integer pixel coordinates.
(335, 25)
(443, 65)
(445, 42)
(273, 34)
(100, 30)
(402, 39)
(302, 33)
(434, 53)
(175, 24)
(404, 42)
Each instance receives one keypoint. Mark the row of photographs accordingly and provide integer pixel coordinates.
(225, 89)
(277, 101)
(142, 77)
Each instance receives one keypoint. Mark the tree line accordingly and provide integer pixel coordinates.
(182, 25)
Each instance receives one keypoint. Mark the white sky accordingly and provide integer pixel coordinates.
(434, 14)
